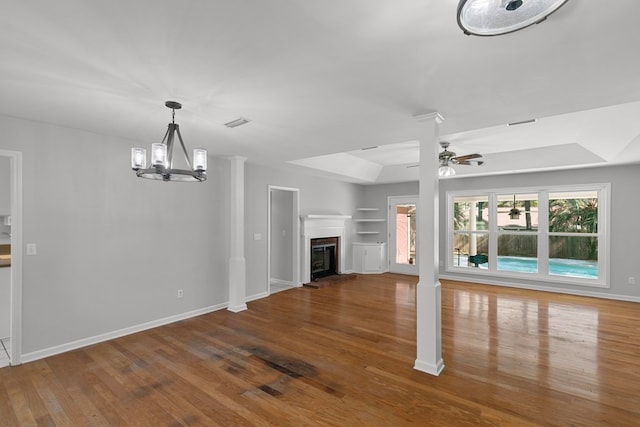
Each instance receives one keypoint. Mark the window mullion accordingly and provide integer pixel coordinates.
(493, 232)
(543, 233)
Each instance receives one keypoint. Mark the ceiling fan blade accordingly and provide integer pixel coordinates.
(469, 162)
(467, 157)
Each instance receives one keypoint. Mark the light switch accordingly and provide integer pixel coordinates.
(31, 249)
(257, 236)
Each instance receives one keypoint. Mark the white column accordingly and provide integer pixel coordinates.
(237, 263)
(428, 293)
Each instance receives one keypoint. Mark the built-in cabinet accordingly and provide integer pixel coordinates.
(369, 257)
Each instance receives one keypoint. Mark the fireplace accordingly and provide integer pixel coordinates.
(321, 226)
(324, 257)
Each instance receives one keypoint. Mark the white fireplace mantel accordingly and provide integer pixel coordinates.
(318, 226)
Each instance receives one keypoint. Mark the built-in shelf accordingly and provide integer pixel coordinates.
(366, 219)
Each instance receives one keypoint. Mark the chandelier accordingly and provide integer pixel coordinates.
(162, 156)
(495, 17)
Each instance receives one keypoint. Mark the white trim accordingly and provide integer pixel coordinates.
(285, 283)
(51, 351)
(532, 287)
(257, 296)
(15, 160)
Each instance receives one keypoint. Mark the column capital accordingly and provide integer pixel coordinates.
(236, 158)
(435, 116)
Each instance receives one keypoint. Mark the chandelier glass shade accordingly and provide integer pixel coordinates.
(162, 160)
(495, 17)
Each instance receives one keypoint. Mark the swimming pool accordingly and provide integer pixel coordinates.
(557, 267)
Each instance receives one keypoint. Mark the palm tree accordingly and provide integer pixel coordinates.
(579, 215)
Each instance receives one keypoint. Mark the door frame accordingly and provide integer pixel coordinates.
(15, 162)
(411, 269)
(295, 238)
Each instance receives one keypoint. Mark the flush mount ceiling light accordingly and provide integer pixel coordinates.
(495, 17)
(162, 156)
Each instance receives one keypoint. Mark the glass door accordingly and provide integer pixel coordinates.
(403, 242)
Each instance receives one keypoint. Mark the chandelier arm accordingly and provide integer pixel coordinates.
(184, 150)
(166, 134)
(172, 129)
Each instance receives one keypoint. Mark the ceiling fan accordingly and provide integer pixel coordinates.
(446, 157)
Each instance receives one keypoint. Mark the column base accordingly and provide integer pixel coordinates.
(429, 368)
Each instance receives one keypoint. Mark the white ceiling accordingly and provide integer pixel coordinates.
(332, 76)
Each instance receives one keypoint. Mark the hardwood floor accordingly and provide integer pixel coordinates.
(343, 356)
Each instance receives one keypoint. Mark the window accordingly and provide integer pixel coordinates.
(470, 230)
(555, 234)
(573, 234)
(517, 222)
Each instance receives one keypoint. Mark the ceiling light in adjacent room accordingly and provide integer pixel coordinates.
(495, 17)
(162, 156)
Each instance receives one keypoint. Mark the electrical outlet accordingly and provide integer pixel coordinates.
(632, 280)
(180, 293)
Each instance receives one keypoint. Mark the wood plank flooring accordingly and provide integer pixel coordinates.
(343, 356)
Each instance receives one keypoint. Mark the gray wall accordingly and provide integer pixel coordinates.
(317, 196)
(113, 249)
(625, 228)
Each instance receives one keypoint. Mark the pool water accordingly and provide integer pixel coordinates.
(558, 267)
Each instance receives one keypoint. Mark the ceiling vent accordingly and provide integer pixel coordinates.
(237, 122)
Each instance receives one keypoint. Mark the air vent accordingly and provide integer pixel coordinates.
(237, 122)
(522, 122)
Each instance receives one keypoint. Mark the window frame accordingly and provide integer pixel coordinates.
(603, 191)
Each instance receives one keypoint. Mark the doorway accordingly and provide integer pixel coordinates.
(11, 257)
(403, 238)
(283, 253)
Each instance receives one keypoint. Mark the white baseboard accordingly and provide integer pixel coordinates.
(257, 296)
(532, 287)
(62, 348)
(283, 283)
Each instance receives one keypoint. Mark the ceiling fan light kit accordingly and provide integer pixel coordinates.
(447, 157)
(162, 156)
(496, 17)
